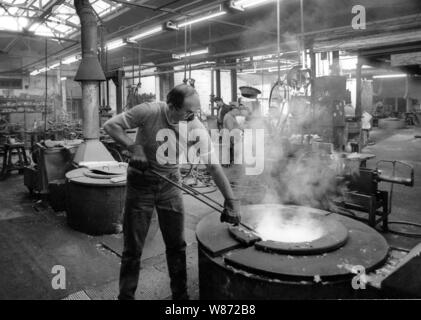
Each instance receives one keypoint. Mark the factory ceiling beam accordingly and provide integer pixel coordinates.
(54, 55)
(152, 49)
(153, 8)
(46, 12)
(36, 19)
(268, 49)
(30, 35)
(10, 45)
(383, 62)
(168, 4)
(327, 37)
(20, 6)
(189, 15)
(228, 37)
(175, 12)
(119, 11)
(387, 50)
(375, 42)
(136, 26)
(73, 48)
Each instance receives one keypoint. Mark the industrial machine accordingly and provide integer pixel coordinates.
(364, 194)
(329, 114)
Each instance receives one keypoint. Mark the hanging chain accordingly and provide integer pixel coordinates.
(133, 62)
(140, 65)
(185, 55)
(190, 38)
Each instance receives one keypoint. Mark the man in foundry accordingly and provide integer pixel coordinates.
(223, 109)
(145, 191)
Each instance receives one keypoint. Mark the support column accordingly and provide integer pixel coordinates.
(313, 77)
(408, 100)
(64, 95)
(119, 97)
(233, 84)
(358, 107)
(218, 82)
(335, 69)
(58, 105)
(212, 92)
(166, 82)
(117, 77)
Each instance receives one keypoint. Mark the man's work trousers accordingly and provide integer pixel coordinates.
(144, 193)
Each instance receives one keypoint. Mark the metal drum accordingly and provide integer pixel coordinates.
(94, 206)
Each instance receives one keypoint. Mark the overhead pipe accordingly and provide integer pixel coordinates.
(90, 71)
(89, 75)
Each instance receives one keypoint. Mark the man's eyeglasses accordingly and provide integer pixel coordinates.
(190, 115)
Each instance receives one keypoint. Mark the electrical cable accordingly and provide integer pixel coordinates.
(406, 223)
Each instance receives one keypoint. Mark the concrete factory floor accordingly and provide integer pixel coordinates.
(33, 238)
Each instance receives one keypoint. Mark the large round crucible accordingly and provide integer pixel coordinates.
(297, 252)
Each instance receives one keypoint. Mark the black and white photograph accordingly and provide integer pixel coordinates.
(210, 156)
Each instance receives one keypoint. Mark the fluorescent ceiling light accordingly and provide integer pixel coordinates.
(63, 78)
(53, 66)
(269, 69)
(34, 73)
(115, 44)
(254, 70)
(193, 65)
(189, 54)
(386, 76)
(146, 33)
(70, 60)
(190, 22)
(251, 3)
(265, 57)
(247, 71)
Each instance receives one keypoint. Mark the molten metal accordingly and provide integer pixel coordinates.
(293, 227)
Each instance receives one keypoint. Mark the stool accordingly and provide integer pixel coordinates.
(8, 165)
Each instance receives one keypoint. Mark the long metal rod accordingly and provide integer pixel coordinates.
(201, 194)
(184, 189)
(195, 194)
